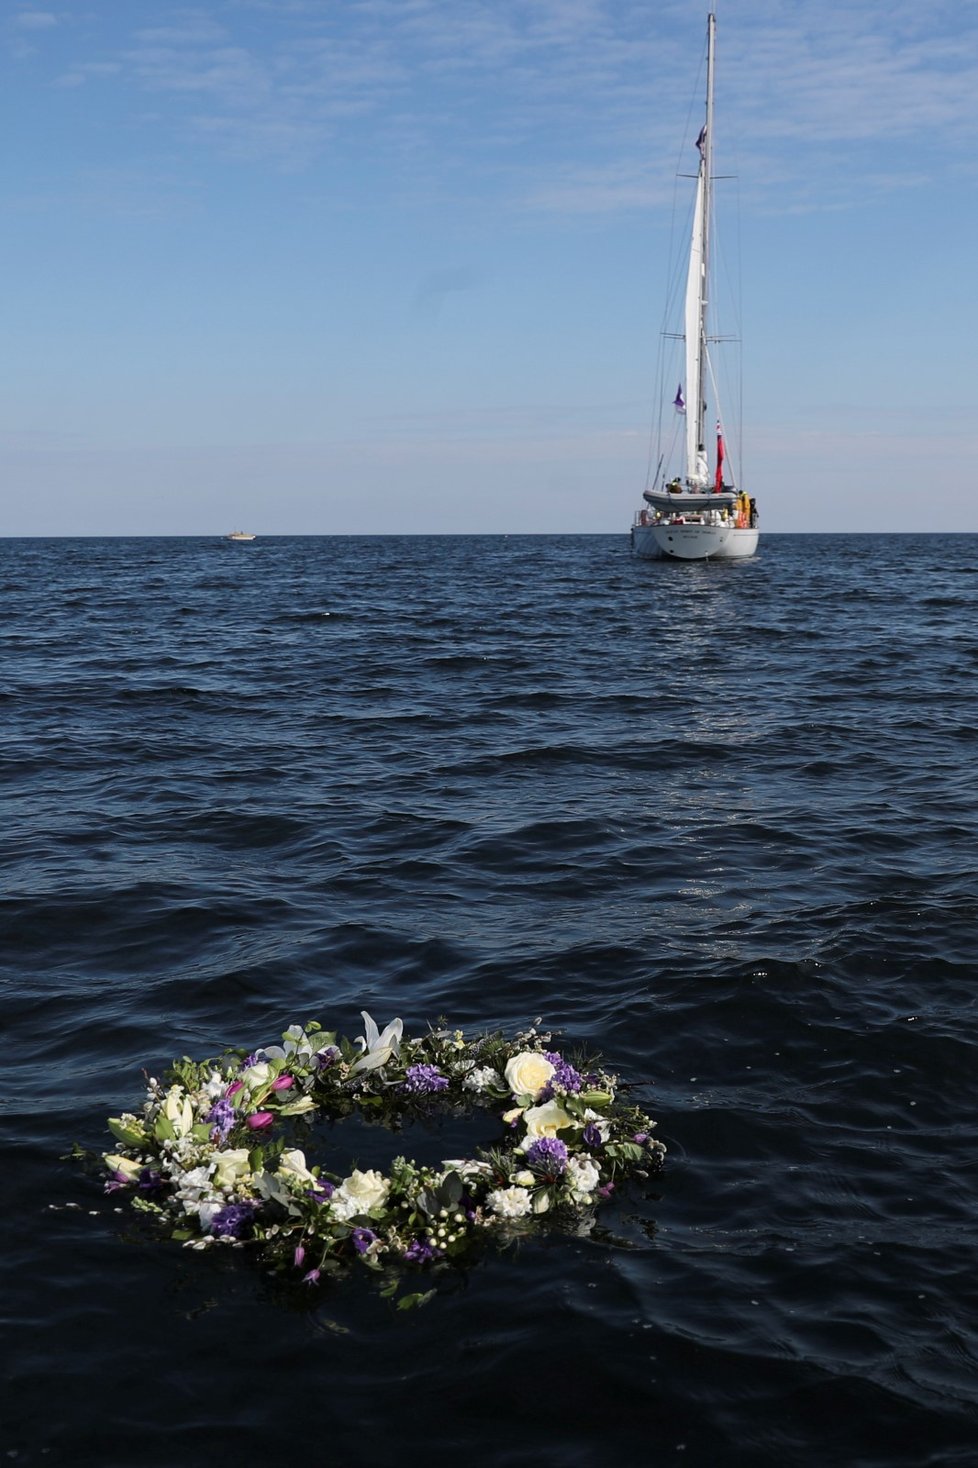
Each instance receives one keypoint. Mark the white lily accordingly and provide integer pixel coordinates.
(124, 1165)
(297, 1046)
(292, 1167)
(178, 1110)
(377, 1046)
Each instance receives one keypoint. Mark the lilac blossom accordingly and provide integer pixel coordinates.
(223, 1116)
(424, 1080)
(564, 1078)
(549, 1154)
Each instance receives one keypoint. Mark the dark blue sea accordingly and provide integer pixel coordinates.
(718, 822)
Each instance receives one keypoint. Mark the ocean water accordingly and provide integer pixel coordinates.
(717, 822)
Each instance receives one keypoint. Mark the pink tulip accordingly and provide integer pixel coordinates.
(259, 1119)
(234, 1087)
(282, 1083)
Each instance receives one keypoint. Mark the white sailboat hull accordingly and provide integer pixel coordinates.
(741, 543)
(688, 542)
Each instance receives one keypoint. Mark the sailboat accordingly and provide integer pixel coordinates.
(693, 512)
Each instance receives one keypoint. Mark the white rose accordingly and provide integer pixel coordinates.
(509, 1202)
(528, 1073)
(546, 1121)
(359, 1193)
(231, 1166)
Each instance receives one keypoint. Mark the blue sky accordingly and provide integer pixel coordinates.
(326, 266)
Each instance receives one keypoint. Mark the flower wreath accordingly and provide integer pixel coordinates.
(204, 1160)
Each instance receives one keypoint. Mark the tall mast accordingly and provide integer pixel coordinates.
(697, 285)
(711, 26)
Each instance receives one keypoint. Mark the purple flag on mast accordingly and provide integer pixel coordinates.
(679, 402)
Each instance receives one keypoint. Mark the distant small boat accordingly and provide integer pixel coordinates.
(240, 535)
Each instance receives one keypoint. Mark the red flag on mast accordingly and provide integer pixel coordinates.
(718, 485)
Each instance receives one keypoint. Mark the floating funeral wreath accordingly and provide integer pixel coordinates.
(205, 1159)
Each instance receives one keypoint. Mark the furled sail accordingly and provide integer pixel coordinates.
(697, 471)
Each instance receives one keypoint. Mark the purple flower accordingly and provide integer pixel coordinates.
(549, 1154)
(423, 1080)
(362, 1239)
(299, 1255)
(419, 1251)
(259, 1119)
(591, 1135)
(606, 1190)
(325, 1058)
(253, 1059)
(311, 1278)
(641, 1138)
(223, 1115)
(322, 1192)
(145, 1181)
(565, 1076)
(234, 1220)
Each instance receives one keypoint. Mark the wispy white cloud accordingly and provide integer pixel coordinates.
(33, 20)
(566, 105)
(88, 71)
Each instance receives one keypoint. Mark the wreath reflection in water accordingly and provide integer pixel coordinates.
(203, 1157)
